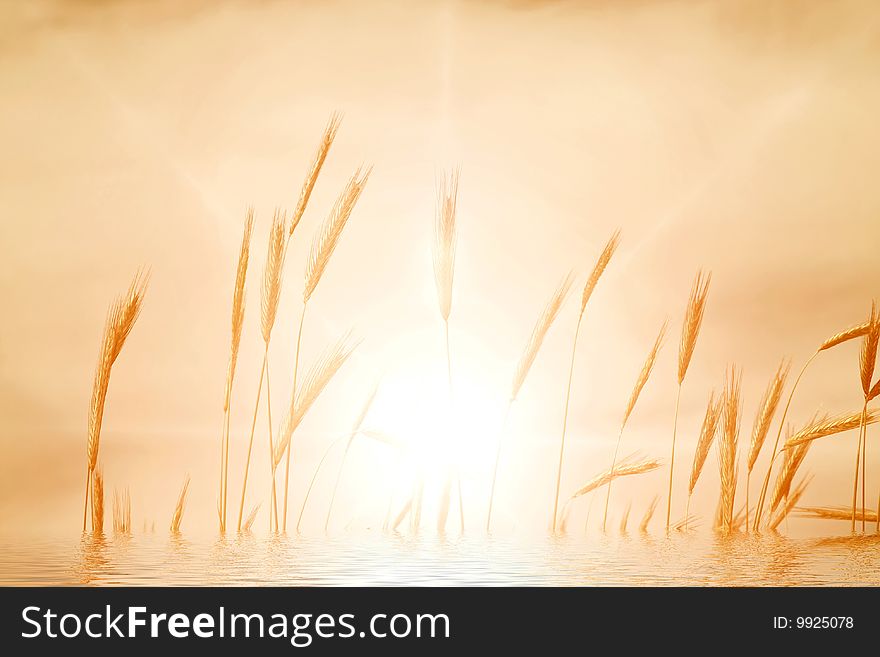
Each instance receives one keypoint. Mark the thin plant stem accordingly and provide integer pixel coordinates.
(451, 403)
(302, 319)
(335, 484)
(577, 331)
(88, 486)
(687, 512)
(327, 451)
(247, 462)
(864, 458)
(271, 452)
(672, 457)
(748, 482)
(608, 492)
(856, 478)
(497, 459)
(762, 497)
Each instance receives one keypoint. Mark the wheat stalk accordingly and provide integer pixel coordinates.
(323, 245)
(527, 359)
(177, 518)
(644, 374)
(649, 513)
(238, 306)
(97, 504)
(731, 410)
(443, 252)
(766, 410)
(690, 330)
(624, 520)
(867, 361)
(121, 512)
(708, 430)
(321, 373)
(249, 522)
(595, 275)
(837, 339)
(791, 502)
(305, 192)
(793, 459)
(270, 293)
(121, 317)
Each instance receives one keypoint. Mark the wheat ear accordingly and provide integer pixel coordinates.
(731, 410)
(314, 171)
(595, 275)
(833, 513)
(644, 374)
(120, 320)
(867, 361)
(791, 502)
(626, 468)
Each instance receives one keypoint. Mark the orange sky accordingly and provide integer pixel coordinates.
(737, 136)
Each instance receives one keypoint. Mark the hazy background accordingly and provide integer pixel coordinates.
(737, 136)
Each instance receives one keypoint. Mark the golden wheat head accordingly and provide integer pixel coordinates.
(444, 242)
(272, 274)
(120, 320)
(305, 192)
(851, 333)
(599, 268)
(693, 320)
(868, 353)
(238, 302)
(539, 332)
(767, 409)
(644, 374)
(828, 426)
(707, 436)
(626, 468)
(321, 373)
(327, 238)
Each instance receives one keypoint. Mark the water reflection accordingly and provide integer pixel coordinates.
(638, 559)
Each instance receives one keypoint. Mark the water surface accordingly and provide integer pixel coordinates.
(389, 560)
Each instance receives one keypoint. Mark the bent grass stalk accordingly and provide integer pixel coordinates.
(270, 293)
(690, 331)
(527, 359)
(846, 335)
(644, 374)
(595, 275)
